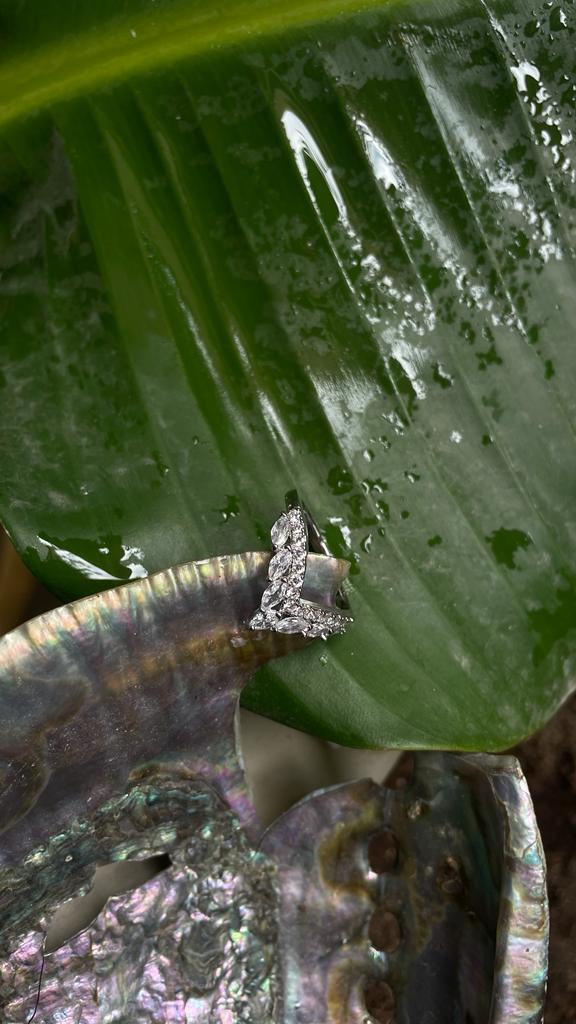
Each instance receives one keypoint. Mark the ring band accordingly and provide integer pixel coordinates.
(282, 607)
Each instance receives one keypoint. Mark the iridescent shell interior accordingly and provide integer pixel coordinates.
(360, 904)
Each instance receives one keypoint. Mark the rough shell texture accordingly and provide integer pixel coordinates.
(93, 690)
(467, 898)
(196, 943)
(118, 742)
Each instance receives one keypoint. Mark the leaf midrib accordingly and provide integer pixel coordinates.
(97, 57)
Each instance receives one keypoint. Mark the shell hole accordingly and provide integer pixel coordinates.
(379, 1000)
(109, 880)
(384, 931)
(383, 852)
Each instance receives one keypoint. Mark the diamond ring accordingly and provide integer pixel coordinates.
(282, 607)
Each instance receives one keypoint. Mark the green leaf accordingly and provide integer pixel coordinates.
(258, 245)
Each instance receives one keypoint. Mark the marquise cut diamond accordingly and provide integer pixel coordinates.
(280, 563)
(292, 624)
(273, 595)
(280, 532)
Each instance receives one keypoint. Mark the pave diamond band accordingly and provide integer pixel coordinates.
(282, 607)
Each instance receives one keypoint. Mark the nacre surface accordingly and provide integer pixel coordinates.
(118, 742)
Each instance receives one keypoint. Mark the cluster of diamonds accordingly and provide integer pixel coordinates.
(282, 608)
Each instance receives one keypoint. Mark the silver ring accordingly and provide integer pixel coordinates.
(282, 607)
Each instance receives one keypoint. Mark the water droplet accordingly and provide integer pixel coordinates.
(441, 376)
(160, 465)
(531, 27)
(368, 454)
(340, 480)
(374, 486)
(527, 76)
(323, 659)
(506, 544)
(231, 508)
(557, 19)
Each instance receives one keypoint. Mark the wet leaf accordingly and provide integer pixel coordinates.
(265, 245)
